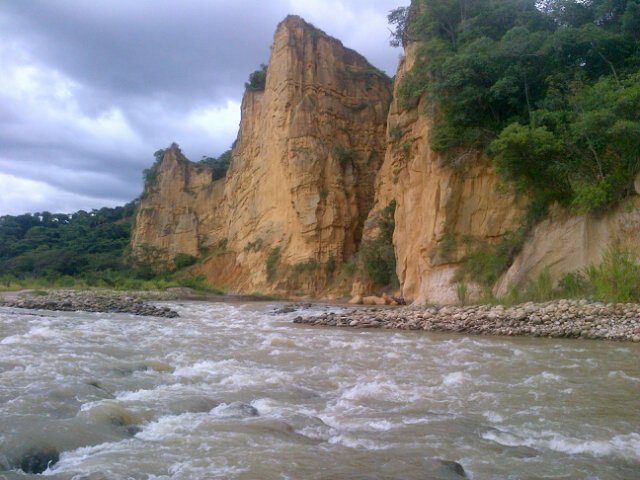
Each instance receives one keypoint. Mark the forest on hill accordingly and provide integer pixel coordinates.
(55, 246)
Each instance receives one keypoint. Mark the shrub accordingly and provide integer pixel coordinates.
(395, 133)
(272, 263)
(331, 265)
(378, 255)
(349, 268)
(311, 264)
(344, 155)
(541, 288)
(617, 278)
(254, 245)
(257, 80)
(183, 260)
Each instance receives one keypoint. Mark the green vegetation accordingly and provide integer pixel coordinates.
(272, 263)
(219, 166)
(358, 107)
(395, 133)
(52, 246)
(378, 255)
(344, 155)
(616, 279)
(550, 89)
(183, 260)
(83, 250)
(150, 175)
(485, 262)
(331, 265)
(255, 245)
(310, 264)
(257, 80)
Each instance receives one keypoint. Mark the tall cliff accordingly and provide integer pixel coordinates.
(437, 206)
(321, 153)
(301, 180)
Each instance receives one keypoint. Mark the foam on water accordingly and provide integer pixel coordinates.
(229, 391)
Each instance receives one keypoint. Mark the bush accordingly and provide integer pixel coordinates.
(485, 262)
(331, 265)
(272, 263)
(617, 278)
(183, 260)
(311, 264)
(344, 155)
(395, 133)
(257, 80)
(378, 255)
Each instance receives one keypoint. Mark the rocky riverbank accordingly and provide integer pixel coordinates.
(87, 301)
(556, 319)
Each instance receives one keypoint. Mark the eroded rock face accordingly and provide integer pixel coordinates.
(301, 179)
(565, 242)
(437, 205)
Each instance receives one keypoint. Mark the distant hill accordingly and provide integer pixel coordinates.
(55, 245)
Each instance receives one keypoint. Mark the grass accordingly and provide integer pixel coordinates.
(109, 281)
(615, 280)
(271, 263)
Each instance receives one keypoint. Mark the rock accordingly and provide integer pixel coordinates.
(236, 409)
(373, 300)
(494, 320)
(356, 300)
(448, 466)
(303, 169)
(39, 460)
(388, 299)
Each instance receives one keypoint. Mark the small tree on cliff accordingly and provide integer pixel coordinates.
(257, 79)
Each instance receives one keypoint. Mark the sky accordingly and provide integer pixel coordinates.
(91, 89)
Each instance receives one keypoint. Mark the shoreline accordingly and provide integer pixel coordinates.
(553, 319)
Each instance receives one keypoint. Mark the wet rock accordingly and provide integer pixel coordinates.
(39, 461)
(236, 409)
(292, 307)
(453, 468)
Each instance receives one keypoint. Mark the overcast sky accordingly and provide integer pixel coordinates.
(90, 89)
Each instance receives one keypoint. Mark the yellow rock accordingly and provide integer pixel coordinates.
(301, 179)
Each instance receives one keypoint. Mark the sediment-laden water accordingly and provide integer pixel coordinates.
(230, 391)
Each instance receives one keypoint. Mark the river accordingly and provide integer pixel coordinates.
(232, 391)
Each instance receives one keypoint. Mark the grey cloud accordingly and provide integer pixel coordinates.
(155, 63)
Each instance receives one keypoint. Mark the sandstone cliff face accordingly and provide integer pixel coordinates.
(437, 206)
(301, 182)
(178, 211)
(565, 242)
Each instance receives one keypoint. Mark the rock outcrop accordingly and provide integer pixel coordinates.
(321, 152)
(301, 181)
(565, 242)
(437, 205)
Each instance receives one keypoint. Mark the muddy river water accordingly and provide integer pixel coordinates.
(232, 391)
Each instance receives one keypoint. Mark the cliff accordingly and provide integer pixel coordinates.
(437, 206)
(321, 154)
(301, 181)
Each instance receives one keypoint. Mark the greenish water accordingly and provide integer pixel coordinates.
(230, 391)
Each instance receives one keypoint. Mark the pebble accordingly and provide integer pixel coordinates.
(555, 319)
(89, 301)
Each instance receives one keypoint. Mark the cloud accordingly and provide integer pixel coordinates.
(91, 89)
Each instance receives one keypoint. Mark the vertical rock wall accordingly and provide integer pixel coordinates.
(437, 205)
(302, 176)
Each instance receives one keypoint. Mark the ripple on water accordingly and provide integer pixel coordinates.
(229, 391)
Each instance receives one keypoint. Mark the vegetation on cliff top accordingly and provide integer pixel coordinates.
(257, 79)
(550, 89)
